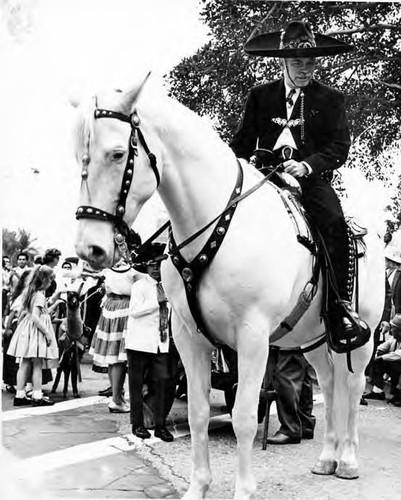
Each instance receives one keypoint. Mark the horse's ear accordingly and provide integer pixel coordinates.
(130, 97)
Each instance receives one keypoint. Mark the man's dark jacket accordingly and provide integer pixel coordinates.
(327, 138)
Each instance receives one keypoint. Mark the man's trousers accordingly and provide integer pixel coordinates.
(157, 366)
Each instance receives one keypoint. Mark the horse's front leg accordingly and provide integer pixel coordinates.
(195, 353)
(253, 349)
(322, 362)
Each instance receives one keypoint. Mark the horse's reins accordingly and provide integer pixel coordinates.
(121, 228)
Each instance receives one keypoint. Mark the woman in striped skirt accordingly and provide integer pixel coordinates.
(108, 343)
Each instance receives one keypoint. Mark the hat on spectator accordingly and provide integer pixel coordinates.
(150, 255)
(396, 321)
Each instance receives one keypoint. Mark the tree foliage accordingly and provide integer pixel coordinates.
(215, 81)
(17, 241)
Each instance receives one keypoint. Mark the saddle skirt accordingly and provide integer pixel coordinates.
(290, 193)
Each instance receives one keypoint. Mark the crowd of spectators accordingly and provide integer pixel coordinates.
(112, 309)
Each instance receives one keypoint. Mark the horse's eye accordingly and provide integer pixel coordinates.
(118, 155)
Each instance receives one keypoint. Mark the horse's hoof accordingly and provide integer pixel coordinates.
(345, 471)
(325, 467)
(64, 395)
(76, 395)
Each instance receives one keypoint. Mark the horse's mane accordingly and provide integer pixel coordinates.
(161, 104)
(83, 129)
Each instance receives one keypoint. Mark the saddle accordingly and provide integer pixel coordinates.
(344, 331)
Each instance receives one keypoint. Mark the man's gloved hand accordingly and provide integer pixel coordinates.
(295, 168)
(290, 180)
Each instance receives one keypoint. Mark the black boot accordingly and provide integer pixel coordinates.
(346, 329)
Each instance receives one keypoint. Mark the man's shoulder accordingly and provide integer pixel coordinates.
(266, 88)
(325, 90)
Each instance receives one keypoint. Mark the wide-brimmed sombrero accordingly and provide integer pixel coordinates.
(297, 40)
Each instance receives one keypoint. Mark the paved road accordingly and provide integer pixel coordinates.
(77, 449)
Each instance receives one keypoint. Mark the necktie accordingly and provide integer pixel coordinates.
(163, 312)
(289, 97)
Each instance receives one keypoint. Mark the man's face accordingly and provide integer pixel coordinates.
(298, 71)
(22, 261)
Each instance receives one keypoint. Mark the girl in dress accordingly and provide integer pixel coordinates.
(34, 340)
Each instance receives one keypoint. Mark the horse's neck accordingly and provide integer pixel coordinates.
(199, 171)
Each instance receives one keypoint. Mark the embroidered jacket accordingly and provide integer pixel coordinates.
(327, 138)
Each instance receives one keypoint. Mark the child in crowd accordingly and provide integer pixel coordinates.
(147, 346)
(34, 341)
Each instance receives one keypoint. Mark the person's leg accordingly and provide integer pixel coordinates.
(23, 373)
(288, 377)
(305, 408)
(324, 208)
(37, 364)
(159, 374)
(378, 370)
(137, 362)
(117, 377)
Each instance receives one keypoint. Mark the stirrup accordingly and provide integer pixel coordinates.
(348, 331)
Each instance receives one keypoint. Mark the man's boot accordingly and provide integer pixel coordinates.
(347, 330)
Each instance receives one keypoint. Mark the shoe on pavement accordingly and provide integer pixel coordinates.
(395, 401)
(11, 389)
(44, 401)
(280, 438)
(106, 392)
(164, 434)
(141, 432)
(22, 401)
(379, 396)
(363, 401)
(307, 434)
(121, 408)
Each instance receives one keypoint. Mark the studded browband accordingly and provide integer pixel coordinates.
(88, 212)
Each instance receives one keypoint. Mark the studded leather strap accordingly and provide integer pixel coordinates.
(193, 272)
(88, 212)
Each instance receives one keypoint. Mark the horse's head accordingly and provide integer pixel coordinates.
(116, 153)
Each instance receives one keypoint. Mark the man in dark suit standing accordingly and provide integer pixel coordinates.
(302, 124)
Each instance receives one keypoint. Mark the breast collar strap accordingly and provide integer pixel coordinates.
(89, 212)
(192, 272)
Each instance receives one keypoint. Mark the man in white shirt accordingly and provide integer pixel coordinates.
(147, 346)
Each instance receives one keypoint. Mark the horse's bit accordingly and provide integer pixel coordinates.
(122, 232)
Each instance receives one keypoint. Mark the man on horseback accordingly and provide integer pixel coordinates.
(301, 123)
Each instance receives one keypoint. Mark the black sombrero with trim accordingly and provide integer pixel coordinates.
(297, 40)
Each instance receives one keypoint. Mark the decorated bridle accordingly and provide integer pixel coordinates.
(123, 236)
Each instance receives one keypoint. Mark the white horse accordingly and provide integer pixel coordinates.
(250, 286)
